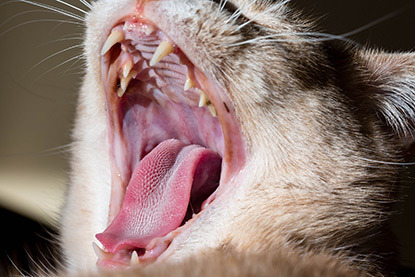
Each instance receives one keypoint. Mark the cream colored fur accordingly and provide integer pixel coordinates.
(311, 192)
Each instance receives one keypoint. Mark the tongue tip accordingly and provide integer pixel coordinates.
(109, 241)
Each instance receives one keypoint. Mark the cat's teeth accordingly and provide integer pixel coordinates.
(165, 48)
(102, 255)
(204, 100)
(189, 83)
(134, 258)
(127, 68)
(149, 30)
(115, 37)
(212, 110)
(125, 81)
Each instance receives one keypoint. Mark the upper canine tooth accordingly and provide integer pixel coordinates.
(189, 83)
(165, 48)
(115, 37)
(127, 68)
(134, 258)
(204, 100)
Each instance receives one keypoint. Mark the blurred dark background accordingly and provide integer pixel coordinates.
(40, 73)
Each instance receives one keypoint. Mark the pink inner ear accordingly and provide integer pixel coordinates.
(158, 194)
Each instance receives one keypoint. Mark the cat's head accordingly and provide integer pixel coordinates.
(296, 128)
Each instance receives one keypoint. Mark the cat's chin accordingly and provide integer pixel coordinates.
(174, 141)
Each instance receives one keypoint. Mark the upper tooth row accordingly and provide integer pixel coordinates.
(164, 49)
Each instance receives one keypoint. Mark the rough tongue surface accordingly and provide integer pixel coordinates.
(157, 197)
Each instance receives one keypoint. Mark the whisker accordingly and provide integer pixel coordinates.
(88, 5)
(71, 6)
(66, 148)
(373, 23)
(315, 37)
(22, 13)
(60, 40)
(71, 67)
(62, 63)
(38, 265)
(270, 9)
(38, 21)
(58, 149)
(16, 267)
(49, 7)
(53, 55)
(238, 13)
(222, 5)
(318, 37)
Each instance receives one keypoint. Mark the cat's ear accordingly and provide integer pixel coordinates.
(388, 82)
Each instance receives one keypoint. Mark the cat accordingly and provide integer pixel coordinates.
(230, 138)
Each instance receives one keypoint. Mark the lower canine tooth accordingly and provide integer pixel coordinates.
(127, 68)
(204, 100)
(134, 258)
(212, 110)
(115, 37)
(124, 83)
(102, 255)
(165, 48)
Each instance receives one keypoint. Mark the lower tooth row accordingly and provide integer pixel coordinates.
(105, 256)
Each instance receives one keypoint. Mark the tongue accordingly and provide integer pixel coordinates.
(157, 197)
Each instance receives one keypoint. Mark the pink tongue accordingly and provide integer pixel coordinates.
(158, 194)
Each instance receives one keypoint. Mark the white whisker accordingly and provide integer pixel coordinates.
(71, 6)
(88, 5)
(238, 12)
(60, 40)
(15, 266)
(222, 4)
(314, 37)
(22, 13)
(58, 149)
(39, 265)
(51, 8)
(63, 63)
(71, 67)
(53, 55)
(371, 24)
(38, 21)
(221, 7)
(270, 9)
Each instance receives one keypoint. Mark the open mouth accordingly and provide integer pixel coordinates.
(175, 143)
